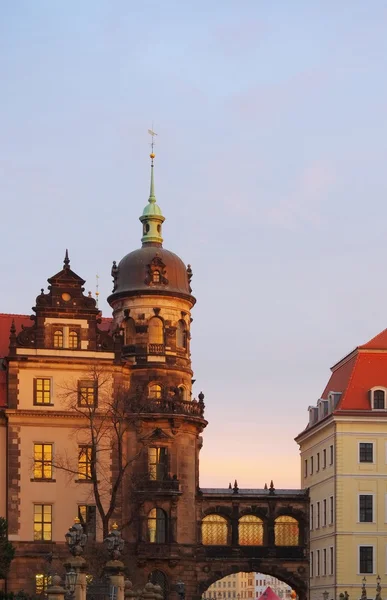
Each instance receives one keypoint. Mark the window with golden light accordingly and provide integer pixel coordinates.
(286, 531)
(154, 391)
(85, 460)
(58, 338)
(214, 530)
(42, 461)
(73, 340)
(42, 522)
(250, 530)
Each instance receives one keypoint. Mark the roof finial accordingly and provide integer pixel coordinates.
(152, 217)
(66, 262)
(152, 197)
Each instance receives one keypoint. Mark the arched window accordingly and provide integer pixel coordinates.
(379, 399)
(181, 335)
(157, 526)
(286, 531)
(183, 392)
(155, 331)
(154, 391)
(214, 530)
(73, 339)
(156, 276)
(130, 332)
(58, 338)
(158, 578)
(250, 530)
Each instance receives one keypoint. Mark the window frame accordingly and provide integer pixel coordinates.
(43, 391)
(91, 532)
(158, 465)
(331, 561)
(43, 463)
(366, 508)
(87, 384)
(77, 333)
(324, 458)
(367, 462)
(58, 331)
(42, 522)
(331, 510)
(360, 547)
(86, 477)
(161, 536)
(331, 455)
(324, 513)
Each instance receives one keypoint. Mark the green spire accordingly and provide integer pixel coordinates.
(152, 217)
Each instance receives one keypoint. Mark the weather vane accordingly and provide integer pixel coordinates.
(152, 133)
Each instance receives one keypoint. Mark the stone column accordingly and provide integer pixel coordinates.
(79, 565)
(55, 591)
(114, 569)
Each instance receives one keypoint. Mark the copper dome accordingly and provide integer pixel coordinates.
(135, 273)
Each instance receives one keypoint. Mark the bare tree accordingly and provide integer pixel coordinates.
(104, 421)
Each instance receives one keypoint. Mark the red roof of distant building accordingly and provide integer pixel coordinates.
(357, 373)
(5, 326)
(268, 594)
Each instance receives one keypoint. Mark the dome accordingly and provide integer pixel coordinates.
(150, 269)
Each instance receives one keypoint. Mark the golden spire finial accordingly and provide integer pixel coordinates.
(114, 526)
(77, 520)
(152, 133)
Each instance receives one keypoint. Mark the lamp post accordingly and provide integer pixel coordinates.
(75, 580)
(114, 568)
(378, 588)
(180, 588)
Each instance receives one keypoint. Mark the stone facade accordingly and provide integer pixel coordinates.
(143, 356)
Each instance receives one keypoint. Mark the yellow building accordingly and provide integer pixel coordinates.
(344, 465)
(237, 586)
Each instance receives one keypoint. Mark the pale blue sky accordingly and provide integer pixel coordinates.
(270, 170)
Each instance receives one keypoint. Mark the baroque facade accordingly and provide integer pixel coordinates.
(98, 420)
(344, 465)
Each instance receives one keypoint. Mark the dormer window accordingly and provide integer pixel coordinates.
(58, 338)
(156, 277)
(379, 399)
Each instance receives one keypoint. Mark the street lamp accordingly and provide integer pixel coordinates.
(114, 543)
(180, 588)
(71, 581)
(76, 538)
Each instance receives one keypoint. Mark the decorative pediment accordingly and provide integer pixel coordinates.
(157, 435)
(156, 272)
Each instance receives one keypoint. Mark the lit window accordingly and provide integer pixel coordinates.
(286, 531)
(42, 522)
(73, 339)
(250, 530)
(85, 462)
(214, 530)
(155, 331)
(42, 461)
(87, 393)
(158, 463)
(156, 277)
(42, 391)
(58, 338)
(157, 526)
(155, 391)
(41, 583)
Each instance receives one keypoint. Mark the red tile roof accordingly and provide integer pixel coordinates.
(357, 373)
(5, 326)
(268, 594)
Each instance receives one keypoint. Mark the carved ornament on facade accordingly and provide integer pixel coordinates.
(156, 270)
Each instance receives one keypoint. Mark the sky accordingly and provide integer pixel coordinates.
(270, 170)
